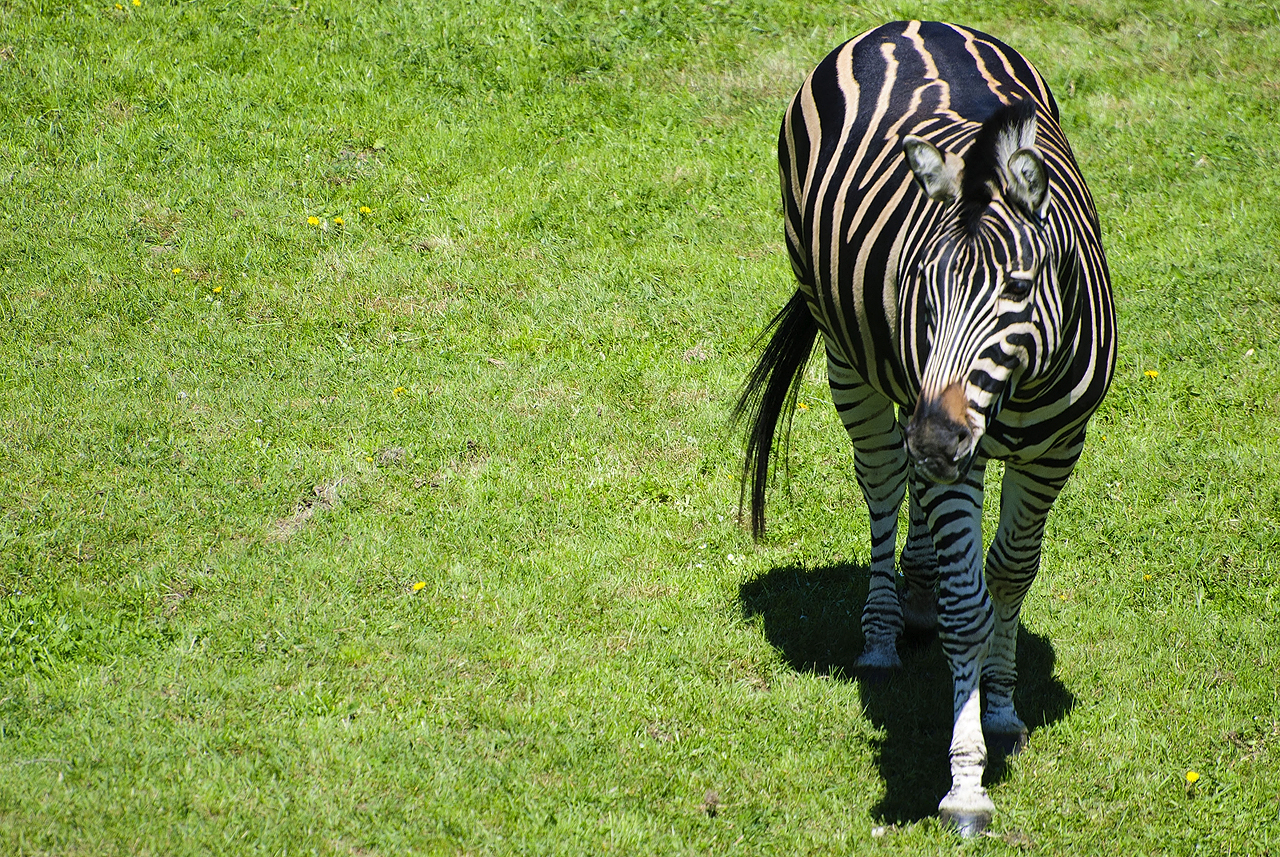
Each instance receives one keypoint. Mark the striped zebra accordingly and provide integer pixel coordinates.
(948, 252)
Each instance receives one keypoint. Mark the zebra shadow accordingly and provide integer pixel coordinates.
(812, 616)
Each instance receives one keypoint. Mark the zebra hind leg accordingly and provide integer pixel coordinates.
(1027, 493)
(880, 459)
(919, 566)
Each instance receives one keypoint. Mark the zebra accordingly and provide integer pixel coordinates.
(948, 251)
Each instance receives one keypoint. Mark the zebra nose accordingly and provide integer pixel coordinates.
(938, 436)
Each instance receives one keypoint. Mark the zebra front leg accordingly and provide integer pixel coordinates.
(965, 623)
(880, 460)
(1027, 493)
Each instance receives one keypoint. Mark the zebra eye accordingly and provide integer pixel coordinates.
(1017, 288)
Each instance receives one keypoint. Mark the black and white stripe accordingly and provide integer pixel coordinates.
(948, 252)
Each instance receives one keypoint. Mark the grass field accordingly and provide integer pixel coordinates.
(367, 484)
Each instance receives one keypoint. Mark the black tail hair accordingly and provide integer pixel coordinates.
(771, 389)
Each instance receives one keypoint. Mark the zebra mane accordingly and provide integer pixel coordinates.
(1010, 128)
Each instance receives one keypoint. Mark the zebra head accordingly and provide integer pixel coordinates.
(979, 297)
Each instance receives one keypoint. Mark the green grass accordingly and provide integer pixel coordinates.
(233, 442)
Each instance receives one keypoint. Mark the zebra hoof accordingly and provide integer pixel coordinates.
(877, 662)
(967, 824)
(882, 657)
(968, 817)
(1006, 743)
(920, 612)
(1003, 729)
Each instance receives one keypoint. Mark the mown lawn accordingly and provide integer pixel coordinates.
(367, 483)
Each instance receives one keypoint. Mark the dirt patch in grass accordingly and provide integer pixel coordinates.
(325, 498)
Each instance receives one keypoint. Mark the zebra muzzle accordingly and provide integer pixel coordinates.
(939, 438)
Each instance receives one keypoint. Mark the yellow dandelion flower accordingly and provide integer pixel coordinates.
(369, 458)
(217, 290)
(1192, 777)
(313, 220)
(419, 586)
(802, 406)
(119, 8)
(338, 221)
(1146, 577)
(177, 270)
(1151, 373)
(364, 209)
(398, 390)
(137, 2)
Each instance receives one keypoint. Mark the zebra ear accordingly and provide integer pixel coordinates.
(1028, 180)
(938, 174)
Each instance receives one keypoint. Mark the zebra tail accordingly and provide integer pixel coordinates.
(769, 392)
